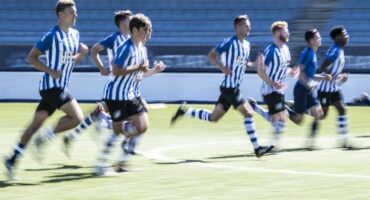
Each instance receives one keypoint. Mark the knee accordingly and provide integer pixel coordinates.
(77, 119)
(298, 119)
(142, 129)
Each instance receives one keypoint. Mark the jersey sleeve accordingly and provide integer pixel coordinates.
(332, 54)
(45, 42)
(269, 57)
(124, 57)
(223, 46)
(108, 42)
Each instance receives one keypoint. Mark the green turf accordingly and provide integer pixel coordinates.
(202, 161)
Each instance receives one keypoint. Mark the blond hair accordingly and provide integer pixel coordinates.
(278, 25)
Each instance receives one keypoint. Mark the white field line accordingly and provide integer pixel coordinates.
(157, 154)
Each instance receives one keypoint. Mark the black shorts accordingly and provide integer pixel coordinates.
(230, 96)
(328, 98)
(53, 99)
(120, 110)
(304, 99)
(275, 102)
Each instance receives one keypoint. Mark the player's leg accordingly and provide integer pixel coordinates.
(222, 105)
(258, 109)
(43, 111)
(247, 111)
(342, 119)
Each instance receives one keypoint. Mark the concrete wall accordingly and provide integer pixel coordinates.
(165, 87)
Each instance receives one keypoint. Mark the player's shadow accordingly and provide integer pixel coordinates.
(363, 136)
(59, 167)
(4, 184)
(69, 177)
(355, 148)
(233, 156)
(303, 149)
(186, 161)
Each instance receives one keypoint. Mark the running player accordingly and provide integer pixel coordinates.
(273, 71)
(329, 92)
(62, 49)
(231, 57)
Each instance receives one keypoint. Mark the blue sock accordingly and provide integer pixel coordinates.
(107, 148)
(343, 126)
(278, 127)
(18, 150)
(251, 130)
(199, 113)
(264, 113)
(81, 127)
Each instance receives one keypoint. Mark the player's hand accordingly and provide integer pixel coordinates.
(226, 71)
(344, 77)
(293, 72)
(327, 77)
(159, 66)
(104, 71)
(55, 74)
(312, 84)
(84, 48)
(278, 85)
(144, 66)
(259, 62)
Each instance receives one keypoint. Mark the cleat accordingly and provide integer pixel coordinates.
(179, 113)
(10, 168)
(121, 167)
(66, 148)
(262, 150)
(252, 102)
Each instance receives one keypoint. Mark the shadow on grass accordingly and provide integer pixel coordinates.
(181, 162)
(69, 177)
(4, 184)
(59, 167)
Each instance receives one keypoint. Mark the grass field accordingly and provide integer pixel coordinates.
(195, 160)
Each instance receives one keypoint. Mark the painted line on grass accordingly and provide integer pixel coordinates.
(158, 154)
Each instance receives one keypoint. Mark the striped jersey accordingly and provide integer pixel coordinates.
(234, 55)
(121, 88)
(277, 61)
(140, 76)
(59, 48)
(335, 55)
(111, 43)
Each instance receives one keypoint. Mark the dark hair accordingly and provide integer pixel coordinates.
(139, 20)
(63, 4)
(121, 15)
(310, 34)
(239, 19)
(337, 30)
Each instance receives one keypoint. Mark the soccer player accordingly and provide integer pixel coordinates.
(329, 92)
(62, 49)
(119, 95)
(231, 57)
(273, 71)
(111, 43)
(305, 94)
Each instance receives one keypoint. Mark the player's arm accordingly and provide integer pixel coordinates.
(95, 50)
(83, 51)
(324, 65)
(261, 71)
(214, 58)
(294, 71)
(33, 59)
(158, 67)
(119, 71)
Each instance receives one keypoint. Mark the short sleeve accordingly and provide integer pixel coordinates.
(108, 42)
(45, 42)
(124, 56)
(223, 46)
(269, 56)
(332, 54)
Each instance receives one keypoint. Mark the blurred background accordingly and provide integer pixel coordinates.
(185, 31)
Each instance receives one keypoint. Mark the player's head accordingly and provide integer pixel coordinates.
(280, 31)
(66, 12)
(313, 38)
(149, 33)
(139, 26)
(339, 35)
(122, 19)
(242, 25)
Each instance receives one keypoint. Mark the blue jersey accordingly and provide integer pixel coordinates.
(308, 60)
(120, 88)
(234, 55)
(59, 48)
(277, 61)
(111, 43)
(335, 55)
